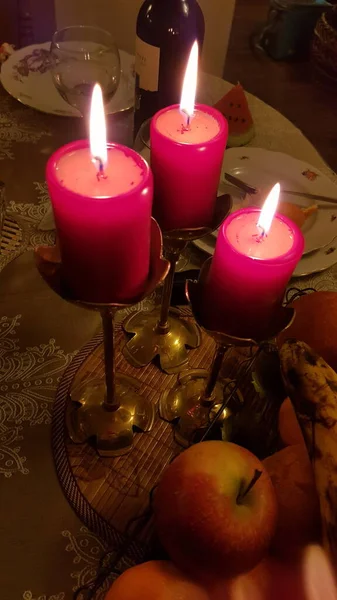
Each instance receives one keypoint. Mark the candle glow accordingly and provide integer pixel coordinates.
(249, 272)
(269, 209)
(98, 144)
(186, 157)
(109, 207)
(189, 90)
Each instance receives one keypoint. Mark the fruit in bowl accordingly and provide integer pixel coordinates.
(215, 510)
(155, 580)
(298, 507)
(307, 576)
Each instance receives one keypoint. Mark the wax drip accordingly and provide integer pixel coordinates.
(100, 173)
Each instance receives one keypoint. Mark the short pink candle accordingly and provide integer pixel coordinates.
(249, 273)
(186, 164)
(103, 223)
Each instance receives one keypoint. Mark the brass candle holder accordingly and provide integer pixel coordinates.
(198, 394)
(108, 410)
(163, 332)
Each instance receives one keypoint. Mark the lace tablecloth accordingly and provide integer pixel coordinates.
(46, 552)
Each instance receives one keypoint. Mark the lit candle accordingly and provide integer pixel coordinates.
(102, 202)
(255, 256)
(187, 148)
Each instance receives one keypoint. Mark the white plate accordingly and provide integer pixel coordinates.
(263, 168)
(26, 77)
(311, 263)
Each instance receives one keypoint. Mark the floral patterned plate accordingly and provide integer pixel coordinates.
(263, 168)
(315, 262)
(26, 76)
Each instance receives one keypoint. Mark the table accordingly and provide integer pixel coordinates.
(46, 552)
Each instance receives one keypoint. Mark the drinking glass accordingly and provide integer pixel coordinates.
(80, 57)
(142, 140)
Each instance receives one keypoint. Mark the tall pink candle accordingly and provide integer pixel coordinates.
(186, 164)
(103, 224)
(249, 273)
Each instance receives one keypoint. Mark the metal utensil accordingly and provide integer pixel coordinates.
(312, 196)
(249, 189)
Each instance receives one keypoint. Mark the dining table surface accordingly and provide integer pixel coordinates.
(46, 552)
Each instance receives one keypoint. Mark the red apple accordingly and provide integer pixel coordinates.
(215, 510)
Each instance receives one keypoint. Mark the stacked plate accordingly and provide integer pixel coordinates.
(26, 76)
(262, 169)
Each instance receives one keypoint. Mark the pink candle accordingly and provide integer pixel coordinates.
(187, 149)
(103, 224)
(186, 166)
(102, 201)
(249, 273)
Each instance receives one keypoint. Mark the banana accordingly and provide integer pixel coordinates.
(312, 387)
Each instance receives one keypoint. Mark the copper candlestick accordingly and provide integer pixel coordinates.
(163, 332)
(108, 410)
(198, 394)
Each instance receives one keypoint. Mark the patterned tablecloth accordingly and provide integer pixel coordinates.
(45, 551)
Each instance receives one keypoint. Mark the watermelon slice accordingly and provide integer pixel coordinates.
(234, 107)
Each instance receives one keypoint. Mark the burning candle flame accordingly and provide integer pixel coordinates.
(269, 209)
(190, 83)
(98, 146)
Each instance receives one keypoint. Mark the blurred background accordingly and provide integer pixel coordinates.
(283, 51)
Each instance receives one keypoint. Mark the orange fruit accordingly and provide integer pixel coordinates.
(292, 211)
(308, 576)
(289, 429)
(315, 324)
(298, 507)
(155, 580)
(270, 580)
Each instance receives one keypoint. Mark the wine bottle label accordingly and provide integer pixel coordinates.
(147, 65)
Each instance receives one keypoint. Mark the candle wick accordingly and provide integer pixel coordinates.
(260, 236)
(187, 126)
(100, 173)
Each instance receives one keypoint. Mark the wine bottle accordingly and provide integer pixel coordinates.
(166, 31)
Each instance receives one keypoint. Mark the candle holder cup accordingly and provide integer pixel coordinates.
(163, 332)
(108, 410)
(198, 395)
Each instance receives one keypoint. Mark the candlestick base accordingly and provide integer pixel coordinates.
(112, 429)
(186, 403)
(197, 397)
(150, 340)
(107, 411)
(163, 332)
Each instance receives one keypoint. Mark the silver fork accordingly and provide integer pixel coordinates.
(250, 189)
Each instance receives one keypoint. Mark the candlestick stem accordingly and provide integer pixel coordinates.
(107, 315)
(220, 352)
(163, 323)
